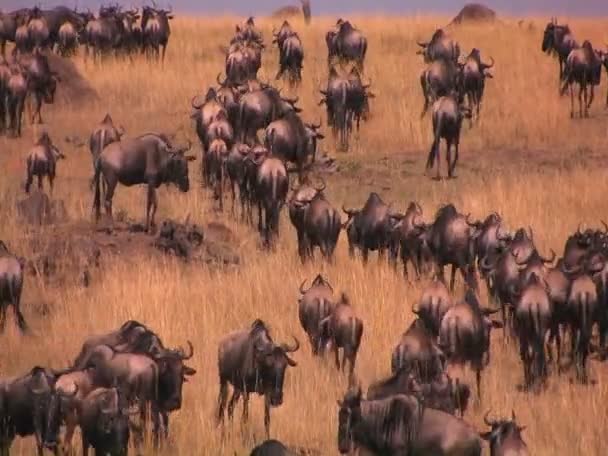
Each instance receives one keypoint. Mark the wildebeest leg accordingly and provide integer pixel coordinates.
(267, 416)
(16, 302)
(336, 355)
(456, 147)
(85, 446)
(3, 308)
(591, 96)
(111, 184)
(245, 417)
(221, 401)
(236, 395)
(580, 101)
(448, 158)
(40, 182)
(151, 206)
(453, 277)
(28, 179)
(438, 159)
(51, 179)
(37, 107)
(365, 254)
(571, 99)
(478, 380)
(164, 52)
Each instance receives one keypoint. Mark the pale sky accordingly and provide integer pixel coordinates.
(261, 7)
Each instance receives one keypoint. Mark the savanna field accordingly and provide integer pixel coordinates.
(525, 159)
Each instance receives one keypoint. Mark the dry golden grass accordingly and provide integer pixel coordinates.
(526, 159)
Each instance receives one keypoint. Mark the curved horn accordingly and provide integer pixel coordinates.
(548, 260)
(302, 291)
(472, 224)
(485, 264)
(323, 186)
(191, 354)
(349, 212)
(217, 78)
(194, 105)
(486, 420)
(422, 45)
(605, 226)
(578, 229)
(292, 348)
(531, 233)
(486, 66)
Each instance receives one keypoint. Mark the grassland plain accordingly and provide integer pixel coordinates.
(526, 158)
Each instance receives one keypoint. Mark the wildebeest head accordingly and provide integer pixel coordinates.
(272, 360)
(502, 430)
(348, 417)
(59, 403)
(172, 373)
(177, 166)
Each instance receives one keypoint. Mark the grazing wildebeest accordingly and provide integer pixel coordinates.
(9, 22)
(27, 400)
(343, 329)
(583, 67)
(270, 189)
(558, 39)
(371, 227)
(314, 305)
(433, 305)
(104, 421)
(11, 285)
(41, 81)
(400, 425)
(474, 74)
(505, 437)
(104, 133)
(439, 79)
(292, 140)
(147, 159)
(448, 113)
(407, 242)
(441, 47)
(156, 31)
(418, 353)
(317, 224)
(449, 239)
(533, 320)
(15, 95)
(464, 335)
(252, 363)
(42, 161)
(257, 109)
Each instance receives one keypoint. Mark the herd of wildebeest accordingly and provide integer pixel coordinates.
(419, 408)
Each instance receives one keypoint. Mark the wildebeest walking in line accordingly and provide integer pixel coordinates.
(558, 39)
(440, 47)
(11, 285)
(155, 31)
(291, 53)
(147, 159)
(346, 43)
(42, 161)
(474, 74)
(252, 362)
(583, 67)
(314, 305)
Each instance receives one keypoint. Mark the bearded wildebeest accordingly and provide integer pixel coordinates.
(27, 400)
(291, 55)
(350, 44)
(343, 329)
(441, 47)
(104, 133)
(448, 113)
(155, 31)
(148, 159)
(505, 437)
(104, 421)
(433, 305)
(15, 95)
(215, 167)
(258, 109)
(292, 140)
(583, 67)
(371, 227)
(42, 161)
(450, 240)
(41, 82)
(558, 39)
(400, 425)
(418, 352)
(474, 74)
(9, 22)
(271, 188)
(252, 363)
(11, 285)
(439, 79)
(464, 335)
(315, 304)
(317, 224)
(533, 320)
(407, 242)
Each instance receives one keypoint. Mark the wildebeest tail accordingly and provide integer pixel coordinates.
(438, 124)
(97, 184)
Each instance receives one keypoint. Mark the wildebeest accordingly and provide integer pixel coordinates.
(236, 170)
(155, 30)
(258, 109)
(407, 242)
(291, 55)
(104, 34)
(491, 237)
(559, 39)
(38, 30)
(216, 158)
(147, 159)
(292, 140)
(314, 305)
(252, 362)
(433, 305)
(505, 437)
(284, 32)
(448, 113)
(104, 133)
(248, 32)
(347, 43)
(11, 285)
(464, 335)
(41, 81)
(418, 353)
(104, 421)
(400, 425)
(371, 227)
(533, 320)
(15, 95)
(42, 161)
(271, 448)
(450, 239)
(23, 43)
(9, 22)
(474, 74)
(317, 224)
(343, 329)
(441, 47)
(583, 67)
(270, 190)
(67, 37)
(205, 113)
(439, 79)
